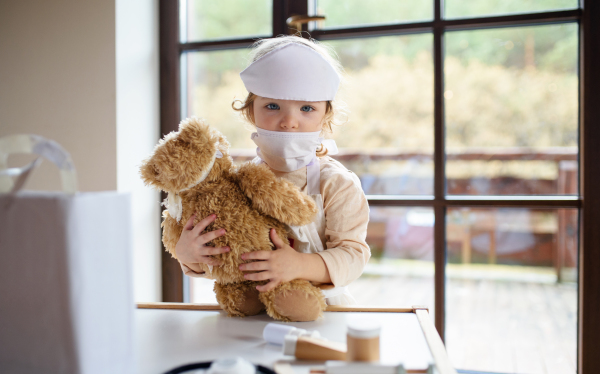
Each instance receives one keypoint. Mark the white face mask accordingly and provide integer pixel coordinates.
(287, 151)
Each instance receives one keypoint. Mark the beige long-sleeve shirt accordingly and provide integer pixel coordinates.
(346, 215)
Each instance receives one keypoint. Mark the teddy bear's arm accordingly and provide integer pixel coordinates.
(274, 196)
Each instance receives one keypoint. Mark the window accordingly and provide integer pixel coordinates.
(471, 157)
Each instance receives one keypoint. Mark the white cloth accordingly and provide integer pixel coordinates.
(311, 238)
(292, 72)
(286, 150)
(289, 151)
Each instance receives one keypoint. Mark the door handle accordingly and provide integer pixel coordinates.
(297, 21)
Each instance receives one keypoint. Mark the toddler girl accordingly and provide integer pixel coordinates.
(292, 83)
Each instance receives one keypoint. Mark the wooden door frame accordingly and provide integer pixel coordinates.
(588, 203)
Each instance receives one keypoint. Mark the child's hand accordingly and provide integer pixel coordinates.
(191, 246)
(277, 266)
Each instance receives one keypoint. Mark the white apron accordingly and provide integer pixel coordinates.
(311, 238)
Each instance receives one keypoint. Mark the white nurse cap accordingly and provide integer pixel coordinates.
(292, 72)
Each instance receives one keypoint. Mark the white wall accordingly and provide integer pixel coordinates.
(137, 133)
(85, 73)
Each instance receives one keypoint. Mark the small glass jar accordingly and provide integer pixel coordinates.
(363, 340)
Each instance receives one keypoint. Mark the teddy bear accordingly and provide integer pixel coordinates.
(194, 168)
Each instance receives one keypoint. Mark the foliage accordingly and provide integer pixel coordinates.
(225, 19)
(360, 12)
(496, 106)
(550, 47)
(504, 87)
(479, 8)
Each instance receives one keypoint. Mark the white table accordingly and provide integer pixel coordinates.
(172, 334)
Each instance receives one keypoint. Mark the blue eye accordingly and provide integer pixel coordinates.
(307, 108)
(272, 106)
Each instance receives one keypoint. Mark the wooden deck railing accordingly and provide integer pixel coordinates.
(555, 154)
(564, 251)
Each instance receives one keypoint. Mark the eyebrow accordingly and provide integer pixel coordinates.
(278, 101)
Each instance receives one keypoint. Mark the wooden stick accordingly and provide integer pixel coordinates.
(330, 308)
(181, 306)
(438, 351)
(361, 308)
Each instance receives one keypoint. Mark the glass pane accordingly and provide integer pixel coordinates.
(512, 290)
(226, 19)
(511, 98)
(400, 271)
(213, 82)
(388, 138)
(359, 12)
(469, 8)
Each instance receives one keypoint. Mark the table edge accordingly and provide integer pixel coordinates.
(330, 308)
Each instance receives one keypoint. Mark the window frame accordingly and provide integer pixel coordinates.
(588, 18)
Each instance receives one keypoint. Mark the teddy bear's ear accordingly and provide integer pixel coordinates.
(182, 159)
(220, 141)
(223, 141)
(195, 132)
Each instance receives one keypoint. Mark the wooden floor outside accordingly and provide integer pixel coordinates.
(503, 319)
(499, 318)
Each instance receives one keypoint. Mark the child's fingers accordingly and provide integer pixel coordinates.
(276, 239)
(203, 224)
(254, 266)
(267, 287)
(210, 251)
(205, 238)
(190, 223)
(258, 255)
(263, 275)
